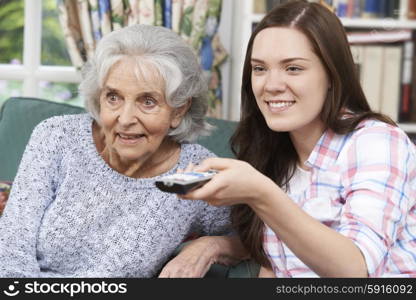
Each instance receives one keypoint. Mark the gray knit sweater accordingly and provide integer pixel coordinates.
(71, 215)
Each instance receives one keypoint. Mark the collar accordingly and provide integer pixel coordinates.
(329, 146)
(327, 149)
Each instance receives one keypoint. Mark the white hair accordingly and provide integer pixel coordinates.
(170, 55)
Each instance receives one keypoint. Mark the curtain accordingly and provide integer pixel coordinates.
(85, 22)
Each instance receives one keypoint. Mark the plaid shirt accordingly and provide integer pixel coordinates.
(363, 185)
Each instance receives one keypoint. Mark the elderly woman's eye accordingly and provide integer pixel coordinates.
(149, 102)
(112, 97)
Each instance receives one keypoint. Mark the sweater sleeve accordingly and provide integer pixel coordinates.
(31, 193)
(215, 220)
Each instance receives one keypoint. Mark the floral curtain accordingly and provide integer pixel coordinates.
(84, 22)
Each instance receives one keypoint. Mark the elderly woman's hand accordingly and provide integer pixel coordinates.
(193, 261)
(196, 258)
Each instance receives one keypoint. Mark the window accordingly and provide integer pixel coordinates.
(34, 61)
(11, 32)
(9, 88)
(33, 57)
(53, 48)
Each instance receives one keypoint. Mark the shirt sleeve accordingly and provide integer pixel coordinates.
(377, 191)
(32, 191)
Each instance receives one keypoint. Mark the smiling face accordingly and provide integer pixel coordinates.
(134, 115)
(288, 80)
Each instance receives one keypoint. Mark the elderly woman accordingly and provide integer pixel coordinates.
(84, 202)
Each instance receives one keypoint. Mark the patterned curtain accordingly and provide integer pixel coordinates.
(84, 22)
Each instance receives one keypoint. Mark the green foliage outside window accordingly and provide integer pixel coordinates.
(11, 30)
(54, 51)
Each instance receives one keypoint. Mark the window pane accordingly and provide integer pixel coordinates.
(11, 31)
(54, 52)
(60, 92)
(9, 88)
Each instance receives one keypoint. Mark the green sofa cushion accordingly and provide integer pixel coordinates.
(18, 117)
(219, 140)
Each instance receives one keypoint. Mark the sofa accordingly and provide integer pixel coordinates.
(18, 117)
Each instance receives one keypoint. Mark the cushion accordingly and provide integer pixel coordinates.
(18, 117)
(5, 187)
(219, 140)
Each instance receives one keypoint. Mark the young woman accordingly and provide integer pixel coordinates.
(323, 186)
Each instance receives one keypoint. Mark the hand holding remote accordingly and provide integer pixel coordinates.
(235, 182)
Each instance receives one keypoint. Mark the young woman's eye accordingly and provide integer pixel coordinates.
(294, 69)
(258, 69)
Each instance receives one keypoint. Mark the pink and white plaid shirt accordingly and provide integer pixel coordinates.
(363, 185)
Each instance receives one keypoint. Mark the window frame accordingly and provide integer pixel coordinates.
(31, 71)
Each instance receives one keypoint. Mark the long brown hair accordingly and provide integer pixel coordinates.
(272, 153)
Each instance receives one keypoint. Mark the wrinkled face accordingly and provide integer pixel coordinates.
(134, 115)
(288, 80)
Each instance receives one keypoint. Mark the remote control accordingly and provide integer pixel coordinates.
(182, 183)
